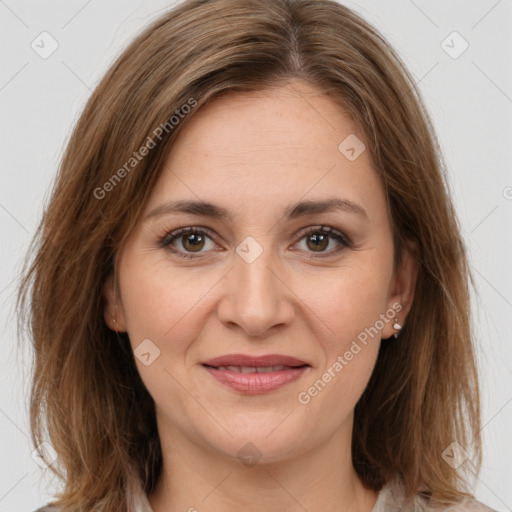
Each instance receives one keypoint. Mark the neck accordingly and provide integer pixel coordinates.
(195, 478)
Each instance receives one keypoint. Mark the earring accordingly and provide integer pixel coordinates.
(396, 326)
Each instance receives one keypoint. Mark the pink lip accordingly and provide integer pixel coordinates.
(253, 361)
(256, 383)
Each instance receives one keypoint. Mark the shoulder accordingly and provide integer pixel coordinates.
(391, 499)
(468, 505)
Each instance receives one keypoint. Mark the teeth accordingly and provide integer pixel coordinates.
(252, 369)
(268, 369)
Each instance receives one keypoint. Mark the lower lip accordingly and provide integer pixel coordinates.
(256, 383)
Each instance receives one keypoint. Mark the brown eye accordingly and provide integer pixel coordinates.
(317, 242)
(324, 241)
(192, 242)
(185, 242)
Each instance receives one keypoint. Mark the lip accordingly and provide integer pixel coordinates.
(253, 361)
(256, 383)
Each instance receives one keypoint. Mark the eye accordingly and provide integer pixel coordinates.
(187, 240)
(318, 239)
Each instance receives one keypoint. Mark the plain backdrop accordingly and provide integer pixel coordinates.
(469, 95)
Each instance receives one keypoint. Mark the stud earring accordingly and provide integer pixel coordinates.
(396, 326)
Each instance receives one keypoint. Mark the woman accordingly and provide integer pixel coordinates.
(250, 289)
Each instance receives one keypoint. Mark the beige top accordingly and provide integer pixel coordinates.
(390, 499)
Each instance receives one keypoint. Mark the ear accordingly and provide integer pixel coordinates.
(113, 307)
(402, 286)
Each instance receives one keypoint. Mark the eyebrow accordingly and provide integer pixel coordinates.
(293, 211)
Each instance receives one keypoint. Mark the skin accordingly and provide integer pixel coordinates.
(254, 154)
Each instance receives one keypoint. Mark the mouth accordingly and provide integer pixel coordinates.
(252, 361)
(254, 380)
(255, 369)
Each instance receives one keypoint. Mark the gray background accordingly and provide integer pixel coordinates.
(469, 97)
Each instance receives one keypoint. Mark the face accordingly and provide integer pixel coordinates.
(264, 271)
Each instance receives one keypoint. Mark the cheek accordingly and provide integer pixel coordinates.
(347, 300)
(164, 306)
(345, 309)
(161, 302)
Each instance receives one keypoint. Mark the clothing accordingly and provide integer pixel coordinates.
(390, 499)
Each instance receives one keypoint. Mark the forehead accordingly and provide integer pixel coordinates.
(269, 148)
(292, 119)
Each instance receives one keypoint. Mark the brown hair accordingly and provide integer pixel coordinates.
(87, 398)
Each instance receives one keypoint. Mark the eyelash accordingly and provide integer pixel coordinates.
(166, 241)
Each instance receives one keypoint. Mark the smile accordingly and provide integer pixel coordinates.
(255, 379)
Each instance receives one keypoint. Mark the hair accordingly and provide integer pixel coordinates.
(87, 398)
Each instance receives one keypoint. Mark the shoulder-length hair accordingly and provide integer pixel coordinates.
(87, 399)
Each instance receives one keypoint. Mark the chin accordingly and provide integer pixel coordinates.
(258, 447)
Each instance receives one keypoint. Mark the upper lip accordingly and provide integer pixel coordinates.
(254, 361)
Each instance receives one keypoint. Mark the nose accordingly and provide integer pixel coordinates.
(257, 298)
